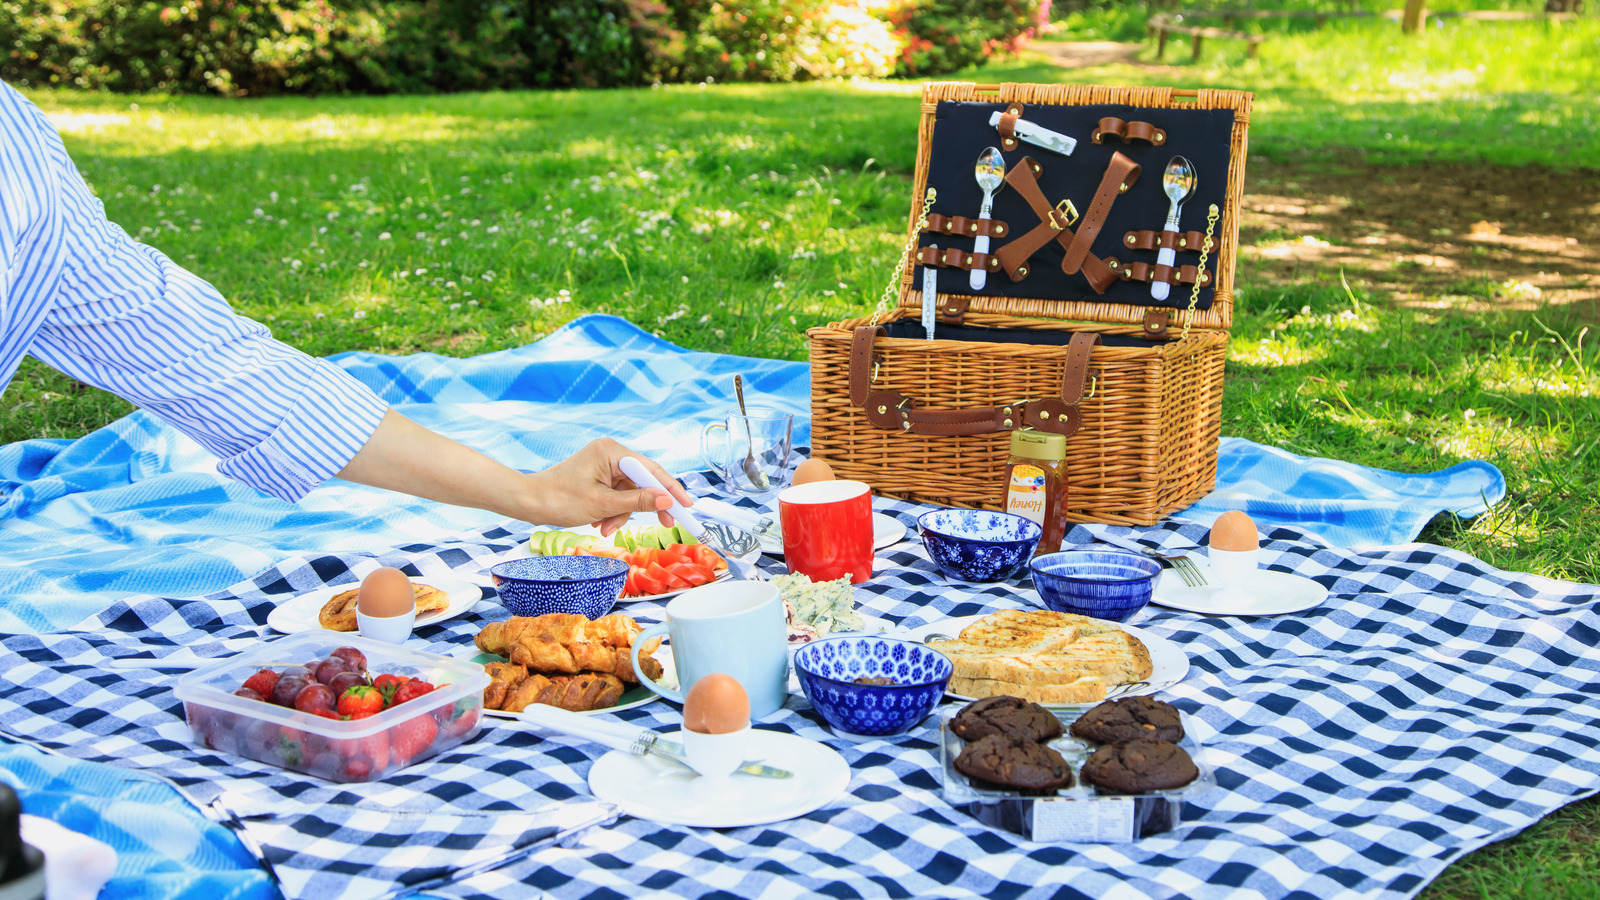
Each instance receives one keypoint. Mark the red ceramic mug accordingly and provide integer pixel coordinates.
(827, 529)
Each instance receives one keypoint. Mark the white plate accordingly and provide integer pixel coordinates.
(662, 792)
(886, 530)
(1168, 663)
(521, 552)
(300, 613)
(1266, 593)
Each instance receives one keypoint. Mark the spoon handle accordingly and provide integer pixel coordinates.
(977, 278)
(1165, 257)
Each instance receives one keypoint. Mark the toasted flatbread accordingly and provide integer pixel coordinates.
(339, 613)
(1087, 689)
(1043, 656)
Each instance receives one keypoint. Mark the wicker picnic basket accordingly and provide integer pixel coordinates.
(1136, 384)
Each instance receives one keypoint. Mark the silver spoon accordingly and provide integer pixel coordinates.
(991, 174)
(1178, 183)
(752, 469)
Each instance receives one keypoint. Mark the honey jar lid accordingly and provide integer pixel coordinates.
(1030, 444)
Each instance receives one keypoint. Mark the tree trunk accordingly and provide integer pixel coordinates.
(1415, 12)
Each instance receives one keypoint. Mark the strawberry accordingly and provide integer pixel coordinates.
(387, 685)
(359, 702)
(262, 682)
(411, 690)
(456, 720)
(359, 759)
(411, 737)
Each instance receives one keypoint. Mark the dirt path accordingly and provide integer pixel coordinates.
(1438, 235)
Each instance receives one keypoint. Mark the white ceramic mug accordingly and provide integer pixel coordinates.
(734, 627)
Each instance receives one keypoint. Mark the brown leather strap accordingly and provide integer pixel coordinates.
(953, 309)
(861, 362)
(1008, 126)
(952, 258)
(1145, 272)
(1128, 132)
(1054, 224)
(895, 411)
(966, 227)
(1156, 322)
(1171, 240)
(1120, 175)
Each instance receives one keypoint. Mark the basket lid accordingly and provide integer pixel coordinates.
(1079, 236)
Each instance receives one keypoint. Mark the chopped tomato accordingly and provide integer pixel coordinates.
(666, 558)
(647, 584)
(704, 555)
(695, 575)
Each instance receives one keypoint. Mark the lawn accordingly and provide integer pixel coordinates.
(733, 217)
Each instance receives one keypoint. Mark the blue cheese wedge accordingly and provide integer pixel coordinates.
(817, 610)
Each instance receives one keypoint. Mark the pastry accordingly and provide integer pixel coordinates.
(339, 613)
(1139, 766)
(567, 644)
(577, 693)
(1005, 715)
(1044, 656)
(1001, 759)
(1130, 717)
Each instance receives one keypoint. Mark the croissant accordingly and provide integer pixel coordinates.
(566, 644)
(578, 693)
(502, 678)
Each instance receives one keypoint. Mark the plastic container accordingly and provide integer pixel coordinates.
(369, 749)
(1075, 815)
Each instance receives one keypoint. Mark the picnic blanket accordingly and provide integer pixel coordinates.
(137, 509)
(1431, 705)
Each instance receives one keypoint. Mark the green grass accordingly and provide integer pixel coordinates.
(733, 217)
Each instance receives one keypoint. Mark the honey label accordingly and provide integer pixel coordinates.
(1025, 493)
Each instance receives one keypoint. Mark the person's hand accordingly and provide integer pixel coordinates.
(588, 488)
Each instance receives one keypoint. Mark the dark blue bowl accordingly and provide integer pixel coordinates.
(978, 545)
(828, 670)
(1100, 583)
(586, 585)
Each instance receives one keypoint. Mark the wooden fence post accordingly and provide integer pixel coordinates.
(1416, 12)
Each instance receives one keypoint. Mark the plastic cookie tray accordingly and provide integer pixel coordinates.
(369, 749)
(1074, 815)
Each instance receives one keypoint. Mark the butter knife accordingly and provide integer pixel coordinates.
(651, 744)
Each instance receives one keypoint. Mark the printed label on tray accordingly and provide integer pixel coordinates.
(1025, 494)
(1101, 820)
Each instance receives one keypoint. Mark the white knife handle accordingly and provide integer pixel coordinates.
(639, 475)
(1165, 257)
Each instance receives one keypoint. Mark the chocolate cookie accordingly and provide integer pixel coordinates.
(1128, 718)
(1005, 715)
(1139, 766)
(1001, 759)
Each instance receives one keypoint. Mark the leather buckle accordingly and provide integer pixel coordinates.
(1071, 212)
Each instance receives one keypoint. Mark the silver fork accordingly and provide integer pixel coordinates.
(1192, 574)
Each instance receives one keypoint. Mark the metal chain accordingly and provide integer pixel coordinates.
(891, 290)
(1200, 270)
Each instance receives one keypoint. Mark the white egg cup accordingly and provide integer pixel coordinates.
(716, 755)
(388, 629)
(1234, 569)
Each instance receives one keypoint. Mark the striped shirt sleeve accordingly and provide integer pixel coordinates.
(128, 319)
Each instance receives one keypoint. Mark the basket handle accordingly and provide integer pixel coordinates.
(895, 411)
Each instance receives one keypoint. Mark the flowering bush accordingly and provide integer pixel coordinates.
(939, 36)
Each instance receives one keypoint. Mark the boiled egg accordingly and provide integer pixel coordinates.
(1234, 532)
(813, 470)
(717, 704)
(386, 592)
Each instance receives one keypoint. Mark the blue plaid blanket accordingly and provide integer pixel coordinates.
(1431, 705)
(137, 509)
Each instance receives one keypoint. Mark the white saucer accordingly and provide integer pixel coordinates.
(659, 791)
(301, 613)
(1267, 593)
(886, 530)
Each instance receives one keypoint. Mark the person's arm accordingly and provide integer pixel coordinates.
(586, 488)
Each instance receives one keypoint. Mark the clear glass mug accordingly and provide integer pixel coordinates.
(752, 455)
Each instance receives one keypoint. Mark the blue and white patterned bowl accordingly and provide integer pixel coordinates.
(1100, 583)
(828, 670)
(978, 545)
(586, 585)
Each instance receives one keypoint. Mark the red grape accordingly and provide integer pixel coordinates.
(330, 667)
(356, 659)
(287, 688)
(345, 681)
(247, 694)
(314, 696)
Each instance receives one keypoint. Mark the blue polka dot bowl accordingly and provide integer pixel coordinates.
(1103, 584)
(831, 670)
(978, 545)
(586, 585)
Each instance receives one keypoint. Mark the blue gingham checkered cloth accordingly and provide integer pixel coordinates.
(137, 509)
(1433, 704)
